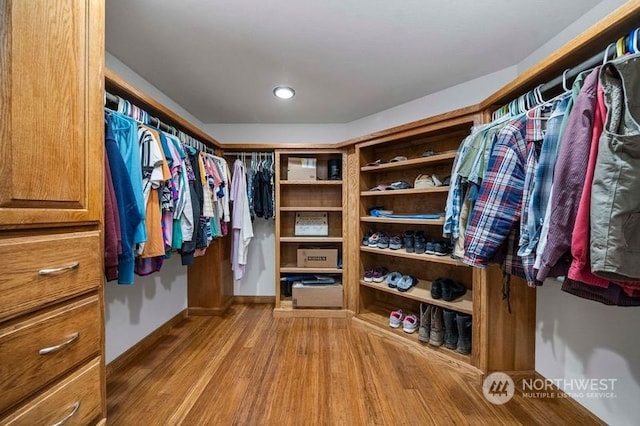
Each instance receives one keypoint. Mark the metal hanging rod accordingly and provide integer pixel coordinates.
(188, 139)
(626, 44)
(248, 152)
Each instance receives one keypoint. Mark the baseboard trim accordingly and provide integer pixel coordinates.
(199, 311)
(254, 300)
(143, 345)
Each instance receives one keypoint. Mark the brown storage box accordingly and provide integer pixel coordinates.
(317, 258)
(301, 169)
(317, 296)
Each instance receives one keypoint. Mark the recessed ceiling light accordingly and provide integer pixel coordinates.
(284, 92)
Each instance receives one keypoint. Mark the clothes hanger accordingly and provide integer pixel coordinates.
(606, 53)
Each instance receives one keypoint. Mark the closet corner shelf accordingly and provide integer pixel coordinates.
(310, 239)
(411, 191)
(296, 270)
(310, 209)
(438, 158)
(422, 293)
(424, 257)
(311, 182)
(374, 219)
(377, 316)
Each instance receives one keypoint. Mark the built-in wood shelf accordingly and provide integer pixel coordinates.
(422, 293)
(413, 162)
(411, 191)
(310, 209)
(296, 270)
(311, 182)
(403, 253)
(310, 239)
(374, 219)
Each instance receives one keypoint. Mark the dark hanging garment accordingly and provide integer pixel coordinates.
(258, 202)
(267, 193)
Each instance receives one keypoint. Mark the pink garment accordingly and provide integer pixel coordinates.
(580, 269)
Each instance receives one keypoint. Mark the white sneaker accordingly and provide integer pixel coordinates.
(396, 318)
(410, 323)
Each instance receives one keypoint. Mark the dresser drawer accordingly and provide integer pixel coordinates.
(41, 269)
(76, 399)
(41, 348)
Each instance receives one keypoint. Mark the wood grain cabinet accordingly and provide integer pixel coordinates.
(51, 208)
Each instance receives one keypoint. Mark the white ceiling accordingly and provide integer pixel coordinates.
(346, 59)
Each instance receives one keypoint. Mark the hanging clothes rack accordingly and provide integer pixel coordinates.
(238, 153)
(154, 121)
(627, 44)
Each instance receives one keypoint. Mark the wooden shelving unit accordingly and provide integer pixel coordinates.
(293, 196)
(414, 256)
(373, 219)
(411, 191)
(445, 157)
(377, 300)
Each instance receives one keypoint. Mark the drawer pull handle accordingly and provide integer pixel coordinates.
(56, 348)
(73, 265)
(68, 416)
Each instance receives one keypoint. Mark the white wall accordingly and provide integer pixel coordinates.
(259, 279)
(134, 311)
(580, 339)
(277, 133)
(459, 96)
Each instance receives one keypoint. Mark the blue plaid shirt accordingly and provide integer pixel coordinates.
(454, 199)
(492, 229)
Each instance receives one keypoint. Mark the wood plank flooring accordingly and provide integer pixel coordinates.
(247, 368)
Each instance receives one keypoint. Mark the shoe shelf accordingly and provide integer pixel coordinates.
(422, 293)
(295, 270)
(423, 256)
(311, 182)
(412, 191)
(444, 157)
(310, 239)
(377, 315)
(373, 219)
(311, 209)
(321, 195)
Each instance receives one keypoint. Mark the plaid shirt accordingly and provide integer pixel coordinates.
(454, 199)
(535, 136)
(499, 205)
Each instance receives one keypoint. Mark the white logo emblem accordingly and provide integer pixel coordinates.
(498, 388)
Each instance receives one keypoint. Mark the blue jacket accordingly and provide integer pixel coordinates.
(128, 212)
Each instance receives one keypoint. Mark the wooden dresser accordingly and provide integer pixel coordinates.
(51, 208)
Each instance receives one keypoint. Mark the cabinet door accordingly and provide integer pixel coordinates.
(51, 125)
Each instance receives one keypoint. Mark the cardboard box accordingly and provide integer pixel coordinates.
(317, 296)
(301, 169)
(317, 258)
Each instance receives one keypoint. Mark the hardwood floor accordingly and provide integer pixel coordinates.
(247, 368)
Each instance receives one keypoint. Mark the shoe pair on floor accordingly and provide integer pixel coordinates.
(408, 322)
(440, 326)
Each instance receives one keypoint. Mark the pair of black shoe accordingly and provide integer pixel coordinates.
(447, 289)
